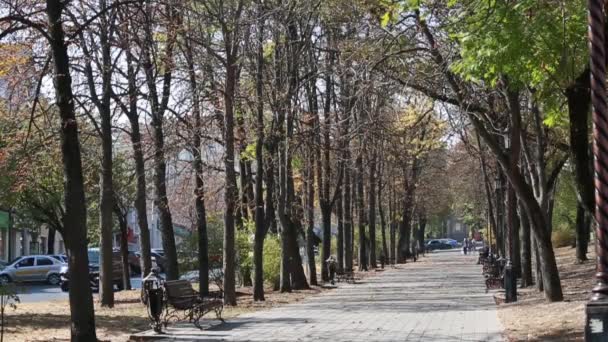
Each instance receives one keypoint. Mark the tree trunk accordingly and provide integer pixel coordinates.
(50, 242)
(372, 211)
(310, 220)
(513, 231)
(361, 213)
(582, 233)
(298, 276)
(131, 111)
(579, 105)
(199, 191)
(230, 195)
(340, 237)
(74, 220)
(383, 227)
(500, 215)
(140, 196)
(158, 107)
(538, 270)
(348, 219)
(392, 226)
(124, 248)
(526, 250)
(260, 219)
(421, 232)
(326, 243)
(161, 202)
(285, 281)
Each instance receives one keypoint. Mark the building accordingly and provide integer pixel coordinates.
(456, 229)
(17, 242)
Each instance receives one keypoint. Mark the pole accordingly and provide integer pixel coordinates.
(596, 328)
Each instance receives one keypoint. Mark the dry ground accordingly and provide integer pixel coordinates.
(533, 319)
(49, 321)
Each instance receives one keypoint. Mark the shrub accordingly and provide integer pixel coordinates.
(562, 238)
(272, 260)
(244, 248)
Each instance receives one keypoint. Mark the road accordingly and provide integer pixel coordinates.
(440, 298)
(40, 292)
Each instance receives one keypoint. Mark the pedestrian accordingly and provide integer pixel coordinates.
(464, 246)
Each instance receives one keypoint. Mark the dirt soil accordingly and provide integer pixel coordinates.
(532, 318)
(49, 321)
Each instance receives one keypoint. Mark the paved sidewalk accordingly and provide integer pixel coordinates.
(441, 298)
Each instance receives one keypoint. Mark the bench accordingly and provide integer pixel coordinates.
(493, 271)
(346, 276)
(181, 298)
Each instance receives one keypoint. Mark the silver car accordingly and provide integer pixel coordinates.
(32, 268)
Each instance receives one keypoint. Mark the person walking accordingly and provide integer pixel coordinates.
(465, 245)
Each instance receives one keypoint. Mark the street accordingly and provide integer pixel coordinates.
(41, 292)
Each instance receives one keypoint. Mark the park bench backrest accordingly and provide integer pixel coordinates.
(180, 294)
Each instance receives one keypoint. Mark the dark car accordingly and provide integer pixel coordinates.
(158, 260)
(94, 271)
(134, 263)
(432, 245)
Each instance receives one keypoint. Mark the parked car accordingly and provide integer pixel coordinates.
(60, 257)
(158, 251)
(93, 254)
(33, 268)
(158, 261)
(432, 245)
(134, 263)
(450, 242)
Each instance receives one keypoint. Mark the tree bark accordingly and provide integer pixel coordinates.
(260, 219)
(526, 248)
(197, 165)
(422, 220)
(50, 242)
(348, 219)
(132, 114)
(74, 220)
(361, 211)
(383, 227)
(158, 107)
(231, 194)
(340, 237)
(124, 248)
(578, 96)
(310, 219)
(538, 270)
(372, 211)
(582, 233)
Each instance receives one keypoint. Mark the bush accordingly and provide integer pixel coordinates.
(244, 248)
(272, 260)
(187, 250)
(562, 238)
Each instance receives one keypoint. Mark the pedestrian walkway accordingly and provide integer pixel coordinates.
(442, 298)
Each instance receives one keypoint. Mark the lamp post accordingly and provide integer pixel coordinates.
(596, 328)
